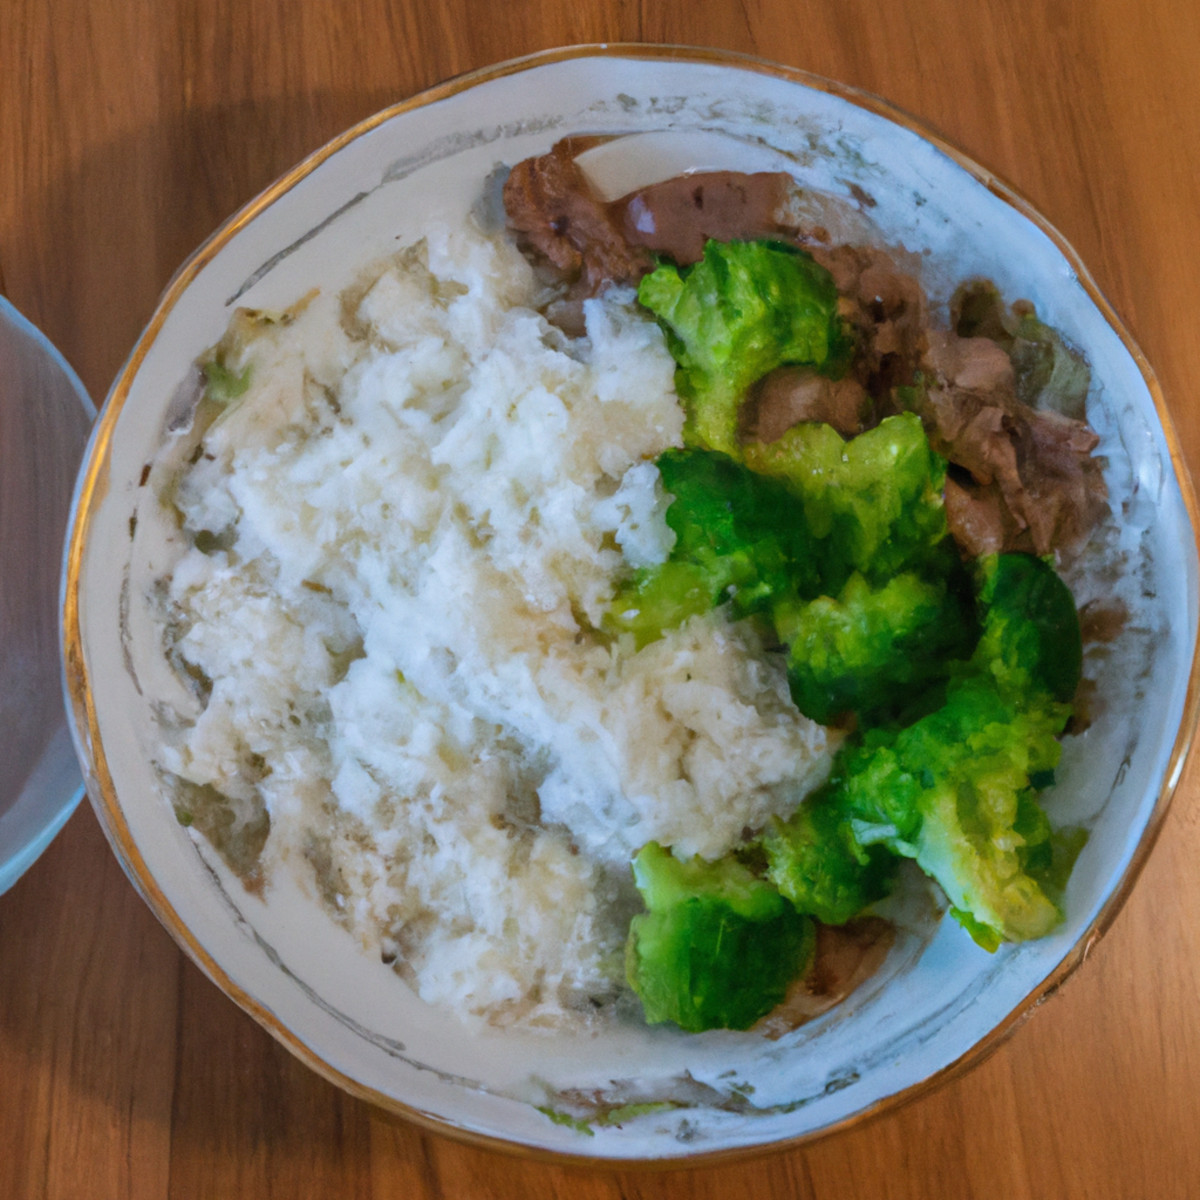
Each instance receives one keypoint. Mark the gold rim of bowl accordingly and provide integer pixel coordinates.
(92, 488)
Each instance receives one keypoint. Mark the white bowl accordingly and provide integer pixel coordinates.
(939, 1002)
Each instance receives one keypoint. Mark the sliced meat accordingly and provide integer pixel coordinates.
(558, 219)
(886, 305)
(976, 364)
(1103, 620)
(790, 395)
(978, 519)
(1029, 479)
(677, 217)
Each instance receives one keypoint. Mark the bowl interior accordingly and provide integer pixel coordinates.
(939, 997)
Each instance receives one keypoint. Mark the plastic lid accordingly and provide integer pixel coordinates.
(45, 416)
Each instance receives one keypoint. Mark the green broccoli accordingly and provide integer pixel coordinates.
(660, 598)
(956, 790)
(1031, 639)
(872, 651)
(843, 547)
(795, 521)
(222, 384)
(818, 864)
(744, 309)
(739, 538)
(717, 947)
(874, 502)
(1050, 374)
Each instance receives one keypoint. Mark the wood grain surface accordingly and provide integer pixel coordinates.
(128, 130)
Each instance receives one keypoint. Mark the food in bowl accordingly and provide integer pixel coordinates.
(497, 576)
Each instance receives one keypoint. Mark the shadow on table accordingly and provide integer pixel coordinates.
(101, 240)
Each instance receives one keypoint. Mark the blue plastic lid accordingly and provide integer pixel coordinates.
(45, 417)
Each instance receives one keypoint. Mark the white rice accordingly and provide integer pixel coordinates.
(414, 519)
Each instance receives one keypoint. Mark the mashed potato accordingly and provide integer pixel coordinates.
(404, 532)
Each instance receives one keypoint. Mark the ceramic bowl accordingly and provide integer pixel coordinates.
(939, 1002)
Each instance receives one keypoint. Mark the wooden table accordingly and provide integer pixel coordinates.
(128, 130)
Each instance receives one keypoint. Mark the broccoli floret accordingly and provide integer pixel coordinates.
(1048, 855)
(1031, 639)
(794, 522)
(872, 651)
(717, 947)
(660, 598)
(818, 864)
(723, 512)
(744, 309)
(873, 502)
(739, 538)
(957, 789)
(954, 791)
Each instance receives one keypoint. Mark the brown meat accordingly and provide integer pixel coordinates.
(1064, 494)
(789, 395)
(1030, 482)
(976, 364)
(978, 518)
(678, 216)
(558, 219)
(1103, 620)
(886, 306)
